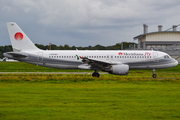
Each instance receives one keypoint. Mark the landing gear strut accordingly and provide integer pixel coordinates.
(154, 75)
(95, 74)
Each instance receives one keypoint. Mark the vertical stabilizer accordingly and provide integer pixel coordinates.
(19, 39)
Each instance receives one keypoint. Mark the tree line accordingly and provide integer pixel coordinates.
(126, 45)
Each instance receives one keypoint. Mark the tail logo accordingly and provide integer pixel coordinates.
(18, 36)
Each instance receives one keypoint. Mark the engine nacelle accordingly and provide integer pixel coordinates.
(119, 69)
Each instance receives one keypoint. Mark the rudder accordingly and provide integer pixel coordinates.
(19, 39)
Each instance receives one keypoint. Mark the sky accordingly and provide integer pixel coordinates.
(86, 22)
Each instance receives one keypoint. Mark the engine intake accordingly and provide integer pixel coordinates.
(119, 69)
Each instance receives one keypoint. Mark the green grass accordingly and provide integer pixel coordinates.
(92, 99)
(25, 67)
(111, 97)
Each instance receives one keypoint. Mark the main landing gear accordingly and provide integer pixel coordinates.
(95, 74)
(154, 75)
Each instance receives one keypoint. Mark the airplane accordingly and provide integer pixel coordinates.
(117, 62)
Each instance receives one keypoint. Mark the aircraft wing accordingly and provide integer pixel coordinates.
(96, 62)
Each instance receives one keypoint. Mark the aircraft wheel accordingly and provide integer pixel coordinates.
(154, 75)
(95, 74)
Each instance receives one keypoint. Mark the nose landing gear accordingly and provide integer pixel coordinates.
(154, 75)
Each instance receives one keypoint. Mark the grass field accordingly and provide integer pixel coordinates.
(45, 96)
(25, 67)
(91, 99)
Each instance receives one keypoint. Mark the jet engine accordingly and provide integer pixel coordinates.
(118, 69)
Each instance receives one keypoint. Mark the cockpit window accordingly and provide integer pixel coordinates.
(166, 56)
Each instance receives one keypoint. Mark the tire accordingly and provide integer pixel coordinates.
(154, 75)
(95, 74)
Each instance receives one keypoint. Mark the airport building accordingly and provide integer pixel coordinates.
(167, 41)
(159, 40)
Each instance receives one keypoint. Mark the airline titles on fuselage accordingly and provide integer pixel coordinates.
(120, 55)
(135, 54)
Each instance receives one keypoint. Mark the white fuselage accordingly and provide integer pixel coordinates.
(72, 59)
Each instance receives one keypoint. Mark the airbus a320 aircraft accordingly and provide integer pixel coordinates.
(116, 62)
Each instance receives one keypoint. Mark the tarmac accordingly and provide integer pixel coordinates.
(49, 73)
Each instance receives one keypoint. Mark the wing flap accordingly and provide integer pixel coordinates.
(97, 62)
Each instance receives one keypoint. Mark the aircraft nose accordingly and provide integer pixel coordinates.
(175, 63)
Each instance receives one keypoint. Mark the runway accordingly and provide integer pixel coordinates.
(50, 73)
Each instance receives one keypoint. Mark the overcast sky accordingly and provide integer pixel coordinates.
(86, 22)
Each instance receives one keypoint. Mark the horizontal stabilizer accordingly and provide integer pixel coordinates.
(16, 54)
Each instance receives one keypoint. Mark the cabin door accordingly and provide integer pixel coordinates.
(40, 56)
(155, 57)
